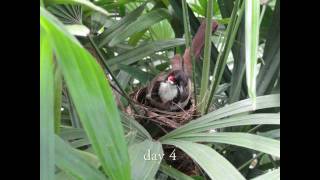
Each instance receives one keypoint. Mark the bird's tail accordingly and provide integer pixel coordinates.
(197, 45)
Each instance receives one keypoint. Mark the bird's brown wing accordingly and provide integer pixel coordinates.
(185, 94)
(197, 46)
(182, 99)
(152, 92)
(176, 62)
(154, 84)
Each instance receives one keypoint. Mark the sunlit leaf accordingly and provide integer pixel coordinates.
(145, 159)
(47, 108)
(252, 12)
(214, 164)
(71, 162)
(143, 22)
(92, 97)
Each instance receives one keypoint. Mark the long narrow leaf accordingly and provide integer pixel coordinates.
(188, 38)
(162, 31)
(206, 60)
(114, 29)
(71, 162)
(47, 108)
(142, 51)
(70, 133)
(273, 175)
(142, 76)
(85, 3)
(274, 134)
(57, 100)
(231, 32)
(238, 72)
(90, 158)
(232, 109)
(140, 24)
(225, 7)
(255, 119)
(174, 173)
(214, 164)
(64, 176)
(255, 142)
(130, 123)
(67, 14)
(145, 159)
(269, 71)
(252, 12)
(263, 102)
(92, 97)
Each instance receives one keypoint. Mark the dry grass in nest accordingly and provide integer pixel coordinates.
(166, 120)
(161, 117)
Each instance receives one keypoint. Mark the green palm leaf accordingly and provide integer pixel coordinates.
(215, 165)
(142, 167)
(273, 175)
(143, 22)
(255, 142)
(71, 162)
(92, 97)
(47, 108)
(210, 120)
(252, 12)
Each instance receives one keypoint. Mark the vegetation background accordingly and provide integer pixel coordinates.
(90, 48)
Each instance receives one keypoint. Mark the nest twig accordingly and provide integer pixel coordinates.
(161, 117)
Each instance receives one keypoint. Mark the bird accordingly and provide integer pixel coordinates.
(172, 91)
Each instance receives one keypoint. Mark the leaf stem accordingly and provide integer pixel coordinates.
(188, 42)
(206, 59)
(231, 32)
(249, 161)
(262, 14)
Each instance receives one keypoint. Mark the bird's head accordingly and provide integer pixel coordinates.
(177, 77)
(171, 79)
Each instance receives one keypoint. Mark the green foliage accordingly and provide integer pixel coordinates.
(173, 172)
(140, 24)
(206, 60)
(102, 125)
(252, 18)
(231, 32)
(47, 108)
(71, 162)
(87, 47)
(205, 156)
(143, 167)
(275, 174)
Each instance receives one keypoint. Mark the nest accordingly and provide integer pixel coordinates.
(164, 118)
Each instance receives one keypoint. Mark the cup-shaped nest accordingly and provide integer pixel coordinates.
(161, 117)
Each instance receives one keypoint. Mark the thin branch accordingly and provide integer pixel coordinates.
(95, 47)
(249, 161)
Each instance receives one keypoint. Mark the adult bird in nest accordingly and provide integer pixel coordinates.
(172, 91)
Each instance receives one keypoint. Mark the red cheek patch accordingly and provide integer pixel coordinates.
(172, 78)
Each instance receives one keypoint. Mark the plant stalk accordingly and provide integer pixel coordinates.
(206, 59)
(248, 162)
(188, 38)
(231, 32)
